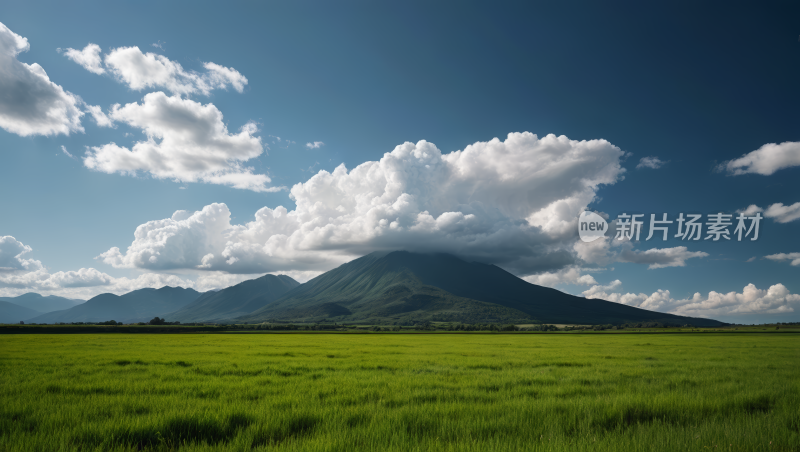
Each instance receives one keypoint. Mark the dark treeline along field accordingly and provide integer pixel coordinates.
(399, 392)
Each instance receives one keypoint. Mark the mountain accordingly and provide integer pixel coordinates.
(403, 286)
(42, 304)
(234, 301)
(12, 313)
(137, 306)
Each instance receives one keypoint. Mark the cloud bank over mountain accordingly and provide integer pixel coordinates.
(513, 202)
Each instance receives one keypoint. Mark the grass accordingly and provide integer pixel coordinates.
(386, 392)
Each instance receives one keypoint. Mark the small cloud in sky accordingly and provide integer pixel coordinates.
(99, 116)
(65, 151)
(650, 162)
(159, 44)
(793, 257)
(751, 210)
(89, 57)
(765, 160)
(777, 212)
(315, 145)
(752, 259)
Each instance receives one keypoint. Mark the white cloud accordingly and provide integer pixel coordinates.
(314, 145)
(660, 257)
(776, 300)
(89, 58)
(221, 76)
(794, 257)
(783, 214)
(657, 301)
(650, 162)
(571, 275)
(597, 251)
(765, 160)
(65, 151)
(607, 249)
(30, 104)
(514, 203)
(751, 210)
(11, 260)
(148, 70)
(19, 275)
(99, 117)
(186, 142)
(777, 212)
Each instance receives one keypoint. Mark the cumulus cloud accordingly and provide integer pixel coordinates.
(607, 250)
(660, 257)
(220, 77)
(650, 162)
(776, 300)
(793, 257)
(783, 214)
(571, 275)
(314, 145)
(16, 272)
(99, 116)
(657, 301)
(514, 203)
(186, 142)
(141, 70)
(765, 160)
(19, 275)
(89, 58)
(30, 104)
(11, 256)
(777, 212)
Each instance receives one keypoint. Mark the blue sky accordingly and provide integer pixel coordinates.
(704, 90)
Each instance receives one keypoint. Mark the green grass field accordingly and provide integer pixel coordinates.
(379, 392)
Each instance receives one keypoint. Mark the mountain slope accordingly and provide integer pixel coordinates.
(139, 305)
(234, 301)
(42, 304)
(12, 313)
(402, 286)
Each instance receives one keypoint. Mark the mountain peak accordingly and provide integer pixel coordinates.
(411, 286)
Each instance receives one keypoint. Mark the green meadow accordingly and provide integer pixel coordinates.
(400, 392)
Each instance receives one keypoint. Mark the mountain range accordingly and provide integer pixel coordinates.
(42, 304)
(402, 287)
(136, 306)
(383, 287)
(235, 301)
(23, 307)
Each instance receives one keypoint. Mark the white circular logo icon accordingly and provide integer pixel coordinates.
(591, 226)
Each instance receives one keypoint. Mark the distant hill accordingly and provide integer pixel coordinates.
(12, 313)
(139, 305)
(42, 304)
(234, 301)
(403, 286)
